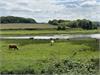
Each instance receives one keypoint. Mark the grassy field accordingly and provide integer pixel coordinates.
(38, 57)
(46, 32)
(27, 26)
(39, 29)
(32, 51)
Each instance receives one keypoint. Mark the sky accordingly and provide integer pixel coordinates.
(44, 10)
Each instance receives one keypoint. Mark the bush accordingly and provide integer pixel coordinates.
(61, 28)
(54, 66)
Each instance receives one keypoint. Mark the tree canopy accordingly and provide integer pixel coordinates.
(12, 19)
(84, 23)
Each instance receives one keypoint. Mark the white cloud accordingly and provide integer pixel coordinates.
(43, 10)
(89, 2)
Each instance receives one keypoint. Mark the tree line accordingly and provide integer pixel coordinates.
(12, 19)
(84, 24)
(61, 24)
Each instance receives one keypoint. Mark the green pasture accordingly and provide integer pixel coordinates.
(46, 32)
(39, 29)
(32, 51)
(27, 26)
(38, 56)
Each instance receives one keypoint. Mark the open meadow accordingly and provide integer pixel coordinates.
(72, 57)
(36, 56)
(26, 26)
(40, 29)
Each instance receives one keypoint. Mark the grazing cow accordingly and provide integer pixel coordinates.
(52, 42)
(13, 46)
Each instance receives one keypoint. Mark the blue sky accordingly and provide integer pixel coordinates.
(44, 10)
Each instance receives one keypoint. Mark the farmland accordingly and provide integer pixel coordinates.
(39, 57)
(39, 29)
(31, 51)
(27, 26)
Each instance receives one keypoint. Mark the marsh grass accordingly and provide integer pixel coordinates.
(46, 32)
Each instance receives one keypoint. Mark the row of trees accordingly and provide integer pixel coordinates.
(12, 19)
(62, 24)
(84, 24)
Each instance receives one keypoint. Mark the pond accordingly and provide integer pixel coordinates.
(61, 36)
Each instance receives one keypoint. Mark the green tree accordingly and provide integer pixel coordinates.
(12, 19)
(59, 28)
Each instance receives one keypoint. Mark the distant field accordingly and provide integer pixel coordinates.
(39, 29)
(27, 26)
(46, 32)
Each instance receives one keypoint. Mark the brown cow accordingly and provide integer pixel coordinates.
(13, 46)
